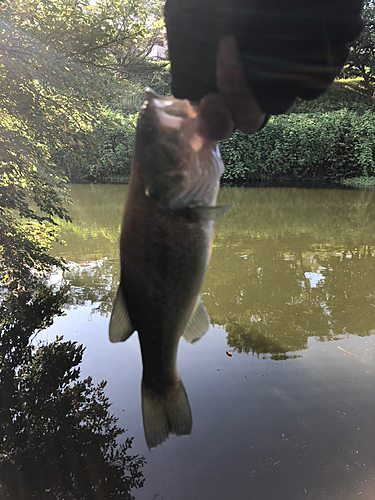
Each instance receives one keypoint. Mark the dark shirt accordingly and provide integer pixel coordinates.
(288, 48)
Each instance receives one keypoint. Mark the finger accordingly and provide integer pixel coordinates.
(215, 118)
(248, 116)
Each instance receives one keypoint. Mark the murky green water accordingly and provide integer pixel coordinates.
(291, 292)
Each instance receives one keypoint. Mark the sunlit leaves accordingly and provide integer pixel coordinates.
(362, 51)
(61, 63)
(92, 32)
(23, 248)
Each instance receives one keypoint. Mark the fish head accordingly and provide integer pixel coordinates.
(177, 165)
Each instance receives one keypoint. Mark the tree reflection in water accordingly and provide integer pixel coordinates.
(287, 265)
(58, 438)
(270, 294)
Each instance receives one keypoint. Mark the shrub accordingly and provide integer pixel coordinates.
(321, 148)
(343, 94)
(104, 155)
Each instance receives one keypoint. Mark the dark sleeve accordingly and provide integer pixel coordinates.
(288, 48)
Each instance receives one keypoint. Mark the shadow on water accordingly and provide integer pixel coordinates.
(58, 438)
(287, 265)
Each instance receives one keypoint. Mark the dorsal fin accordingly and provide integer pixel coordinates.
(120, 326)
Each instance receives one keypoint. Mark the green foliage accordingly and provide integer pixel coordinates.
(362, 51)
(360, 182)
(59, 439)
(24, 249)
(347, 94)
(61, 63)
(104, 155)
(321, 148)
(325, 141)
(156, 75)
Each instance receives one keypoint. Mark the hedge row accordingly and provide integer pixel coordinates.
(104, 155)
(320, 148)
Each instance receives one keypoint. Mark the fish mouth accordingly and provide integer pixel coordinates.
(175, 114)
(184, 167)
(170, 111)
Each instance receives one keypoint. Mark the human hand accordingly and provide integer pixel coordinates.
(235, 104)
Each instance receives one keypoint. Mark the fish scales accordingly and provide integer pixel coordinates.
(163, 275)
(165, 248)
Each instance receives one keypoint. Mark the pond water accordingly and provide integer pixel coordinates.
(291, 293)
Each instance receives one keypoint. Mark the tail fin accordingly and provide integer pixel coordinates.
(165, 415)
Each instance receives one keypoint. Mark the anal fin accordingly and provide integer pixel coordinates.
(198, 324)
(120, 326)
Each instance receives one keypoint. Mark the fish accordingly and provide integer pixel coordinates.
(165, 247)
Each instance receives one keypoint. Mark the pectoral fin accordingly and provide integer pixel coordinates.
(206, 213)
(199, 323)
(120, 326)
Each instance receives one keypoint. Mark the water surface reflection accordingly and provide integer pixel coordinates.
(291, 276)
(288, 264)
(293, 264)
(58, 437)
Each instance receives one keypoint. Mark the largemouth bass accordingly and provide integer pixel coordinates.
(165, 246)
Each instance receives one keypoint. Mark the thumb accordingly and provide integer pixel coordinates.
(247, 115)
